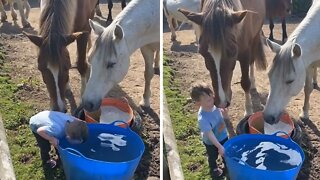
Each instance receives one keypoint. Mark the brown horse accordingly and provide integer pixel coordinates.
(231, 30)
(281, 9)
(58, 21)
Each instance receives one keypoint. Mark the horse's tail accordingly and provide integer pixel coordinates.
(260, 57)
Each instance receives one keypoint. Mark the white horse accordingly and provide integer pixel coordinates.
(137, 26)
(173, 15)
(294, 66)
(22, 5)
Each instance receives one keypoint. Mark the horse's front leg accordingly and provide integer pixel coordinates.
(315, 79)
(252, 77)
(170, 20)
(13, 12)
(156, 67)
(307, 91)
(27, 6)
(197, 31)
(246, 83)
(110, 6)
(271, 26)
(3, 12)
(98, 10)
(284, 30)
(148, 55)
(123, 4)
(82, 64)
(24, 21)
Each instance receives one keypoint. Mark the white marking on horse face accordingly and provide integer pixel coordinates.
(104, 75)
(216, 54)
(55, 73)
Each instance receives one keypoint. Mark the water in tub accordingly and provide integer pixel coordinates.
(273, 128)
(109, 114)
(268, 156)
(111, 148)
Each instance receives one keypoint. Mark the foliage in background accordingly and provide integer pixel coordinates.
(15, 113)
(185, 126)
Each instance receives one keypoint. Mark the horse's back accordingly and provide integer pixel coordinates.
(85, 11)
(254, 20)
(173, 5)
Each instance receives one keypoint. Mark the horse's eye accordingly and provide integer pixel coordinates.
(289, 82)
(110, 65)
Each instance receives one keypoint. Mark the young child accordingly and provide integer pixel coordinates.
(49, 126)
(211, 124)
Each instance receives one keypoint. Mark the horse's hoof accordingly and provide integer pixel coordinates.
(316, 87)
(173, 38)
(303, 115)
(156, 71)
(27, 25)
(98, 13)
(4, 18)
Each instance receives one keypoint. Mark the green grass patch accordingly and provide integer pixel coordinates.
(16, 114)
(191, 150)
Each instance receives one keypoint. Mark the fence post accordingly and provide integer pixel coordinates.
(6, 168)
(171, 149)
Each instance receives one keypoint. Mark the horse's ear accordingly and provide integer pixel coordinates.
(37, 40)
(273, 46)
(238, 16)
(72, 37)
(192, 16)
(97, 28)
(296, 51)
(118, 32)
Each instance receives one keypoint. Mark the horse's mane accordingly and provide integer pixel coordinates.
(215, 20)
(57, 20)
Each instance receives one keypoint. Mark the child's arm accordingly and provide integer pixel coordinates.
(215, 142)
(42, 132)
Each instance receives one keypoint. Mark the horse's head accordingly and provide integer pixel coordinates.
(287, 76)
(54, 65)
(109, 59)
(219, 26)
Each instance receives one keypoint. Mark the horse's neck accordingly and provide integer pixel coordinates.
(308, 37)
(140, 23)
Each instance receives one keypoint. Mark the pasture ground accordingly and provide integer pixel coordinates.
(22, 94)
(184, 66)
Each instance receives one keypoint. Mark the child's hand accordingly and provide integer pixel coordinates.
(224, 112)
(221, 151)
(54, 142)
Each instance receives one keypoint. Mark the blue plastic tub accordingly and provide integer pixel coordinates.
(239, 170)
(92, 161)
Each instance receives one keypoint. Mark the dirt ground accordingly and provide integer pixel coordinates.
(22, 56)
(186, 62)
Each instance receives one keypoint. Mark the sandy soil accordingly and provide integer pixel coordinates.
(22, 57)
(188, 63)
